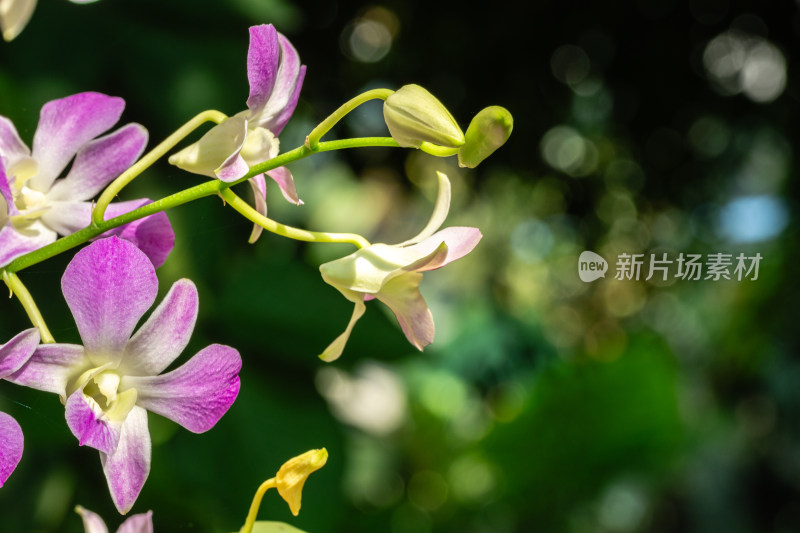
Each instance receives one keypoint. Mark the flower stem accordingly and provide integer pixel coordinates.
(251, 515)
(208, 188)
(288, 231)
(151, 157)
(438, 151)
(325, 126)
(17, 287)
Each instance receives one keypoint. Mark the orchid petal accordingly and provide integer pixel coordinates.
(65, 125)
(108, 287)
(14, 16)
(67, 217)
(50, 368)
(6, 196)
(11, 146)
(335, 349)
(162, 338)
(11, 445)
(440, 210)
(281, 118)
(127, 468)
(402, 295)
(18, 351)
(263, 55)
(459, 241)
(138, 523)
(283, 177)
(275, 113)
(99, 162)
(153, 234)
(196, 394)
(217, 151)
(15, 242)
(367, 269)
(259, 146)
(87, 422)
(92, 523)
(259, 186)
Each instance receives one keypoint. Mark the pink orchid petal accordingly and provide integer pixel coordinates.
(459, 240)
(50, 368)
(99, 162)
(281, 104)
(86, 421)
(335, 349)
(263, 55)
(138, 523)
(5, 193)
(153, 234)
(15, 242)
(92, 523)
(283, 177)
(18, 351)
(11, 444)
(285, 113)
(259, 186)
(162, 338)
(196, 394)
(11, 146)
(127, 468)
(65, 125)
(108, 286)
(65, 218)
(402, 295)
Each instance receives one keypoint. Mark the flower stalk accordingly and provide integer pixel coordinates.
(312, 140)
(149, 158)
(17, 288)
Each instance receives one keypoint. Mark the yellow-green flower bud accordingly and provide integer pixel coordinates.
(487, 132)
(415, 116)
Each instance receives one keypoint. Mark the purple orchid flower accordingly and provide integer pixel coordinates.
(13, 355)
(35, 207)
(229, 149)
(392, 274)
(138, 523)
(110, 382)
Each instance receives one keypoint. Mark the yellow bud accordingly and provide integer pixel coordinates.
(415, 116)
(293, 474)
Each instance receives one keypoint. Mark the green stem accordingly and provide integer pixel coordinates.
(208, 188)
(325, 126)
(288, 231)
(25, 298)
(438, 151)
(151, 157)
(251, 515)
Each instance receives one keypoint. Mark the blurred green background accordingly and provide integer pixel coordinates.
(546, 404)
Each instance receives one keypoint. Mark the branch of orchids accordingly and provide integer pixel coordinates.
(288, 231)
(17, 288)
(209, 188)
(149, 158)
(312, 140)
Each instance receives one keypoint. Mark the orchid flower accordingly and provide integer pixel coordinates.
(138, 523)
(392, 273)
(109, 383)
(13, 355)
(15, 14)
(229, 149)
(35, 207)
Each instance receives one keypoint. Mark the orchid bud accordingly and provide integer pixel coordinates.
(293, 474)
(415, 116)
(487, 132)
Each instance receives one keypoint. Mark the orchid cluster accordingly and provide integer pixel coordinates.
(61, 195)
